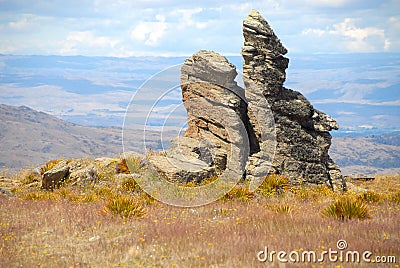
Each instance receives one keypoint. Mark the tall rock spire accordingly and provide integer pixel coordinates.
(302, 132)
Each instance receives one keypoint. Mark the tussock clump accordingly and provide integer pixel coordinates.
(31, 177)
(129, 165)
(104, 192)
(395, 197)
(146, 199)
(347, 208)
(370, 197)
(286, 209)
(273, 184)
(125, 207)
(239, 192)
(130, 184)
(39, 196)
(49, 165)
(314, 193)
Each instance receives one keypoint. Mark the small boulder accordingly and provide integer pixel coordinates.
(84, 175)
(55, 176)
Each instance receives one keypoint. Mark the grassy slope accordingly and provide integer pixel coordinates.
(70, 228)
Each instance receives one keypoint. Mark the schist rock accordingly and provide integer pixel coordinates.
(263, 128)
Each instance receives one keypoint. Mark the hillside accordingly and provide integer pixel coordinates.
(29, 137)
(375, 154)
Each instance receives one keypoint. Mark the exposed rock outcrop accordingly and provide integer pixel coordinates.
(75, 172)
(263, 129)
(55, 176)
(215, 141)
(302, 132)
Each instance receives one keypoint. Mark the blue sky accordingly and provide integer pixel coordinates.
(172, 28)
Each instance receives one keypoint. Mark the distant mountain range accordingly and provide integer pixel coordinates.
(29, 138)
(361, 91)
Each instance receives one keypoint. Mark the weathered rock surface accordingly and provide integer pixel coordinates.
(76, 172)
(55, 176)
(216, 135)
(302, 132)
(263, 129)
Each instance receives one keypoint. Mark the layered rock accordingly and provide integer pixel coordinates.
(302, 132)
(216, 140)
(263, 129)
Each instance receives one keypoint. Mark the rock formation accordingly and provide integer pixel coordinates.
(302, 132)
(262, 129)
(215, 140)
(75, 172)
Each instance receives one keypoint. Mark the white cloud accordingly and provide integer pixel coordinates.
(187, 20)
(79, 39)
(18, 25)
(393, 33)
(345, 113)
(150, 32)
(353, 38)
(174, 27)
(23, 23)
(327, 3)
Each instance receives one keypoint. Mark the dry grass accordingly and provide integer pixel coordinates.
(69, 228)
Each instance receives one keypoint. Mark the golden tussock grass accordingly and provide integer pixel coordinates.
(107, 226)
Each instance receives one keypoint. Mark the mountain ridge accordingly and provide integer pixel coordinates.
(29, 138)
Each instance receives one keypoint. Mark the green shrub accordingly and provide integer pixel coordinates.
(347, 208)
(125, 207)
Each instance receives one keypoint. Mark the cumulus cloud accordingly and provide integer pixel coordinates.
(78, 39)
(150, 32)
(354, 39)
(187, 20)
(174, 27)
